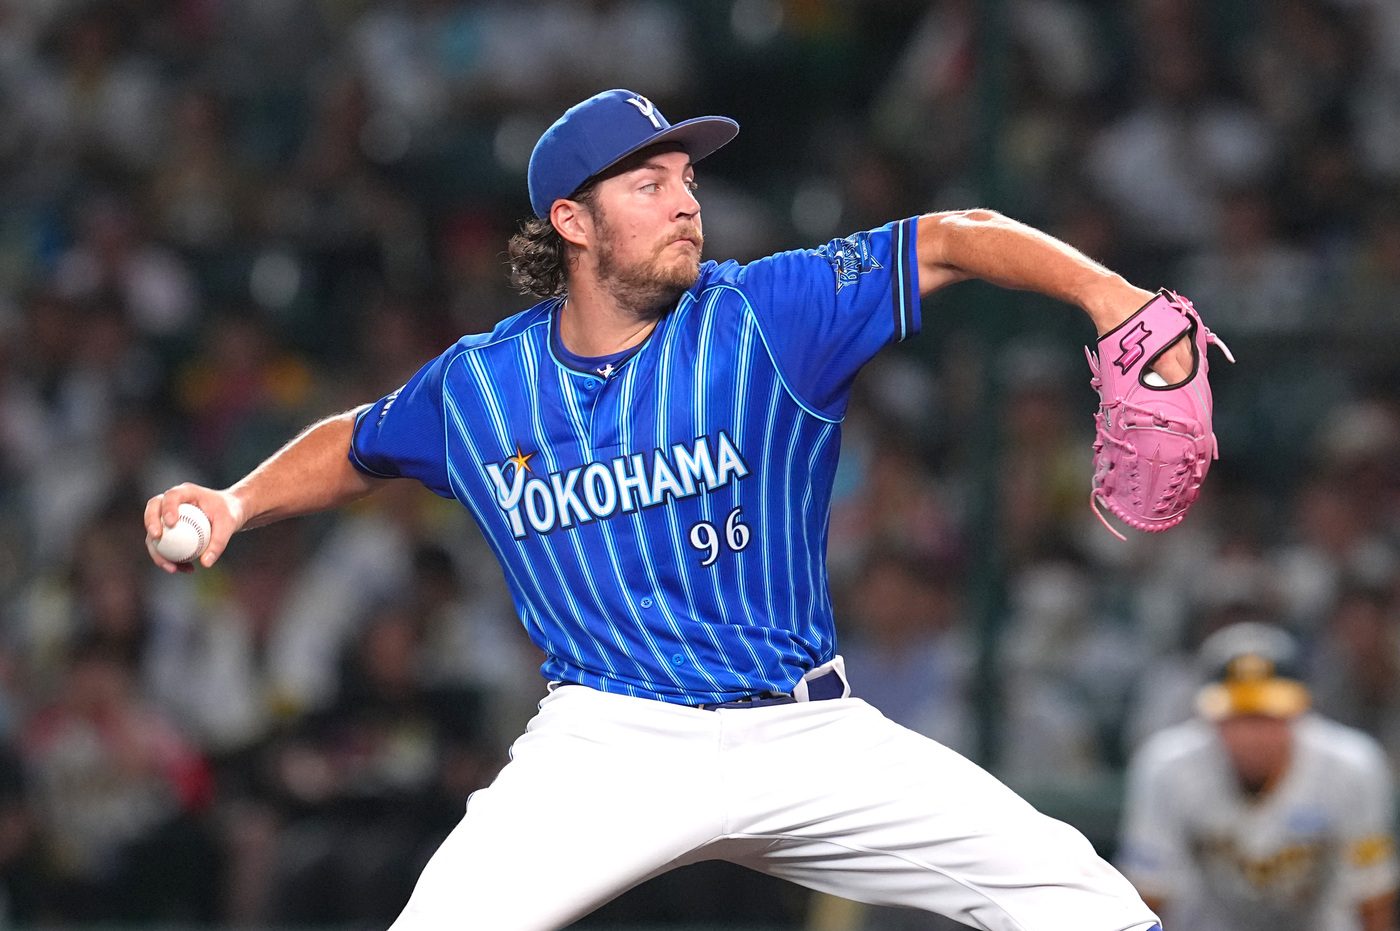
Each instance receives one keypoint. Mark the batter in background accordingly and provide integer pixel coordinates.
(650, 453)
(1260, 814)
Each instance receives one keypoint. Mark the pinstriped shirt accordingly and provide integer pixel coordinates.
(662, 520)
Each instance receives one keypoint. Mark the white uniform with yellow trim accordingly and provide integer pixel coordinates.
(1300, 858)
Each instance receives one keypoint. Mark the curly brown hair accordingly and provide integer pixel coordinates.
(538, 255)
(539, 258)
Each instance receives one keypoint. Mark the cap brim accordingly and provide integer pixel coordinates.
(697, 137)
(1275, 698)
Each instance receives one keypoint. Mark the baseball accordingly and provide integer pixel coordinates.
(188, 538)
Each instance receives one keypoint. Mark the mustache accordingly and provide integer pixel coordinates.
(690, 232)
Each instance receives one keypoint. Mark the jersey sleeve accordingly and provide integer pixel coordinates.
(825, 312)
(1368, 866)
(1152, 851)
(403, 434)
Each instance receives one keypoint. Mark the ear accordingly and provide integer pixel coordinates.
(572, 222)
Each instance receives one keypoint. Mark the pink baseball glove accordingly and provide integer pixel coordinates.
(1154, 441)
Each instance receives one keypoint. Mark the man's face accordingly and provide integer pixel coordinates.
(647, 226)
(1259, 747)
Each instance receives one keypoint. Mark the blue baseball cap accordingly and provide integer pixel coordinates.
(596, 134)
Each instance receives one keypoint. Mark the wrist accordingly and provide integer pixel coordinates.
(1111, 300)
(236, 502)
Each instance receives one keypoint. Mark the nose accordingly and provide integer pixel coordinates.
(689, 204)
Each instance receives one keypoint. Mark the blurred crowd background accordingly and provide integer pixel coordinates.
(223, 219)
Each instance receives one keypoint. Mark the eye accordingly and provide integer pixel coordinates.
(692, 185)
(650, 187)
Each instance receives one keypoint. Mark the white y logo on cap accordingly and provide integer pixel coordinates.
(645, 107)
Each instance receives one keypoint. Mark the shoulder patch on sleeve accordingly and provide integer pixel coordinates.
(849, 258)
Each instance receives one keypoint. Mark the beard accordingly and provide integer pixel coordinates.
(648, 288)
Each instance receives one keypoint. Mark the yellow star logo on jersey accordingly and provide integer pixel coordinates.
(521, 460)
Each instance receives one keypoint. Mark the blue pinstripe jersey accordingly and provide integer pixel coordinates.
(662, 526)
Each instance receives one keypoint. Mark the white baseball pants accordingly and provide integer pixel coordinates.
(604, 791)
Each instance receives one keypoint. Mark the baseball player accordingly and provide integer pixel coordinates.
(650, 451)
(1259, 814)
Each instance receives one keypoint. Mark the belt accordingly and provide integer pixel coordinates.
(828, 685)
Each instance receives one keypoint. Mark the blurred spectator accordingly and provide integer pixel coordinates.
(97, 593)
(1299, 64)
(1068, 670)
(562, 50)
(1335, 541)
(1360, 445)
(905, 652)
(1253, 283)
(198, 192)
(886, 494)
(24, 430)
(1355, 670)
(118, 794)
(927, 108)
(895, 502)
(217, 667)
(241, 389)
(420, 62)
(1043, 458)
(1086, 221)
(876, 186)
(265, 57)
(1237, 586)
(1322, 198)
(20, 866)
(114, 263)
(471, 639)
(59, 408)
(106, 370)
(395, 336)
(471, 262)
(364, 560)
(95, 101)
(1373, 108)
(1183, 142)
(1364, 300)
(365, 782)
(117, 473)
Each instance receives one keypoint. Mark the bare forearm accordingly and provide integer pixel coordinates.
(983, 244)
(311, 473)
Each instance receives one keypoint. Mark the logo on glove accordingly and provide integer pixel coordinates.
(1131, 344)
